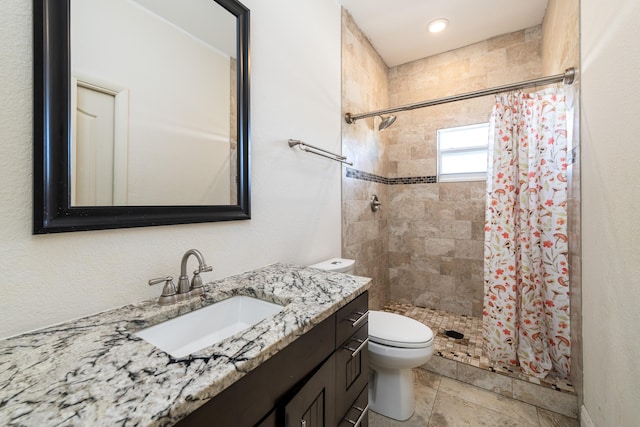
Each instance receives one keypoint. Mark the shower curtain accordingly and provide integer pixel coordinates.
(526, 282)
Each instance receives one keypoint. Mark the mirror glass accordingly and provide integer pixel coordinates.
(141, 113)
(152, 126)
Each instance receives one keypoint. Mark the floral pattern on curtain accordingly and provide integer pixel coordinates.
(526, 277)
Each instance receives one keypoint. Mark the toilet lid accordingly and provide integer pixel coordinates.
(398, 331)
(341, 265)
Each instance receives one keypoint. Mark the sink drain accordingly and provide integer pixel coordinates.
(454, 334)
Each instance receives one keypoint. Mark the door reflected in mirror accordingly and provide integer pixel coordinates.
(153, 103)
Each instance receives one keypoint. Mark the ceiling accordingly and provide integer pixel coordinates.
(397, 28)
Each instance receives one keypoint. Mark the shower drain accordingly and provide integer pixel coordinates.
(454, 334)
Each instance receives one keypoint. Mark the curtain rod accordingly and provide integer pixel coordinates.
(567, 78)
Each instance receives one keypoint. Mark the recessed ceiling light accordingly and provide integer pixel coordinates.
(437, 25)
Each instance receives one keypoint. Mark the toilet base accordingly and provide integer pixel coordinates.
(391, 392)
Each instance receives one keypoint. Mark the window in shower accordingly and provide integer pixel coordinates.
(462, 153)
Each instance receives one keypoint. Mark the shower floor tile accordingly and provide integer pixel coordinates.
(467, 350)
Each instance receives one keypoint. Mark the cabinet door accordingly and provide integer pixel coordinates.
(270, 420)
(314, 404)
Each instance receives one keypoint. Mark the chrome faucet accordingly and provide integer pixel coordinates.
(185, 289)
(195, 287)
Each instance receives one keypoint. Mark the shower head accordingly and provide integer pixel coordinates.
(386, 122)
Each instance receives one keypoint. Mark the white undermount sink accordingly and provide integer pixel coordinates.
(201, 328)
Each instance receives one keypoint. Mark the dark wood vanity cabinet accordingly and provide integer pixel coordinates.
(352, 362)
(322, 402)
(319, 380)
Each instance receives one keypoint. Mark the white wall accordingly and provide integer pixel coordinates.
(295, 92)
(179, 118)
(611, 204)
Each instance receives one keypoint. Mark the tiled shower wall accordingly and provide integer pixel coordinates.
(364, 232)
(425, 246)
(436, 230)
(560, 50)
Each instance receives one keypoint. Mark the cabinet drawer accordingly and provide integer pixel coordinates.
(352, 370)
(350, 317)
(358, 413)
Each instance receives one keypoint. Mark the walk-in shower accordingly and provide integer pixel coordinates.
(550, 351)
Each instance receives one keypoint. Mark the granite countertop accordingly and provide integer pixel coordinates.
(94, 371)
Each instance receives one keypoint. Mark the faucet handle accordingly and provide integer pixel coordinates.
(197, 287)
(196, 284)
(168, 295)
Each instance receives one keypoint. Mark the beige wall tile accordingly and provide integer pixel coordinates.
(443, 247)
(454, 229)
(451, 302)
(365, 234)
(470, 210)
(402, 193)
(429, 264)
(473, 249)
(400, 259)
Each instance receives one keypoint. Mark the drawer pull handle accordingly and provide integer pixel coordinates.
(362, 317)
(357, 350)
(363, 412)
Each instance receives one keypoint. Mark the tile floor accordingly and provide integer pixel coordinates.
(497, 397)
(467, 350)
(442, 401)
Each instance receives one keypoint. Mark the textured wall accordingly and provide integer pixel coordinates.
(364, 88)
(610, 155)
(295, 93)
(436, 230)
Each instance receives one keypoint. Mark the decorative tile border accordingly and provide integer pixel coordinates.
(366, 176)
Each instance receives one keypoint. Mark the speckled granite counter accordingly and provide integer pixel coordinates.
(93, 371)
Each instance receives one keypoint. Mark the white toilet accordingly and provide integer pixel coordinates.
(397, 344)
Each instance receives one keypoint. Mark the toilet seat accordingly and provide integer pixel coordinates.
(398, 331)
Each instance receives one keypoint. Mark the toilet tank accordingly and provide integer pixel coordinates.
(339, 265)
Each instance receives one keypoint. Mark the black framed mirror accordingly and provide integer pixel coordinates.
(59, 173)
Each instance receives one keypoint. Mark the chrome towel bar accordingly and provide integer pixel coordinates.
(319, 151)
